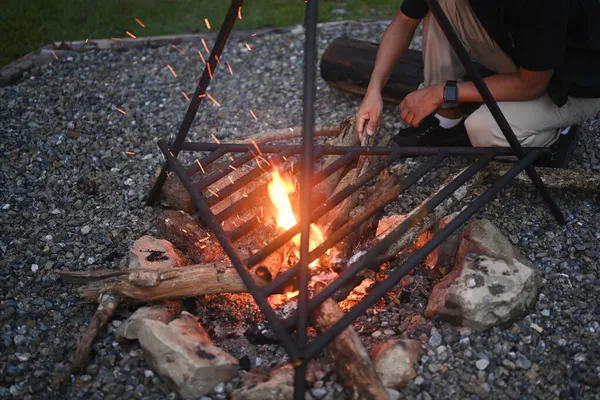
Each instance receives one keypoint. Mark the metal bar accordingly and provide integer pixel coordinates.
(206, 161)
(213, 225)
(322, 210)
(345, 230)
(377, 252)
(363, 150)
(482, 88)
(243, 181)
(306, 160)
(217, 175)
(325, 338)
(263, 191)
(200, 90)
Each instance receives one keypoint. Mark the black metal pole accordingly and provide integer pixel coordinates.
(200, 90)
(379, 290)
(310, 89)
(461, 52)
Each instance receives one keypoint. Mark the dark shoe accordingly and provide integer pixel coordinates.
(429, 133)
(561, 150)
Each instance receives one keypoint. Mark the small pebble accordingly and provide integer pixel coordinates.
(319, 393)
(34, 267)
(148, 374)
(376, 334)
(435, 338)
(86, 229)
(482, 364)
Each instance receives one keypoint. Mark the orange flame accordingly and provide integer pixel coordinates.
(279, 190)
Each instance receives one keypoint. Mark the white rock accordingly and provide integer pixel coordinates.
(86, 229)
(394, 361)
(34, 267)
(482, 364)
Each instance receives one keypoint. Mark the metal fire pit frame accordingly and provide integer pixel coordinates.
(299, 349)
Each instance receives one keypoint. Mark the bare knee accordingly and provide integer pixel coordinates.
(482, 128)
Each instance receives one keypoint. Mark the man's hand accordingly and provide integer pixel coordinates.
(419, 104)
(369, 113)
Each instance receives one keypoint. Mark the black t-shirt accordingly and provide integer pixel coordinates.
(540, 35)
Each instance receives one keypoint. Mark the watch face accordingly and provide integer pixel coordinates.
(451, 93)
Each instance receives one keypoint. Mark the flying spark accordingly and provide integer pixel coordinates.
(131, 35)
(185, 95)
(291, 129)
(201, 57)
(178, 49)
(207, 22)
(209, 71)
(254, 34)
(119, 110)
(240, 12)
(54, 54)
(217, 58)
(205, 46)
(115, 38)
(253, 115)
(230, 179)
(230, 70)
(213, 100)
(86, 40)
(256, 147)
(215, 138)
(140, 23)
(131, 153)
(172, 70)
(231, 158)
(232, 167)
(213, 193)
(248, 47)
(201, 168)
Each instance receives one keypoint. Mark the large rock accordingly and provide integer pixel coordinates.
(279, 384)
(163, 312)
(492, 283)
(150, 252)
(184, 356)
(394, 361)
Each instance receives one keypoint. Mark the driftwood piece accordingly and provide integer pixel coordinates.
(108, 303)
(350, 357)
(346, 137)
(153, 285)
(347, 65)
(554, 178)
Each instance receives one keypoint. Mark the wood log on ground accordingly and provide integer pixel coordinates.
(285, 134)
(108, 303)
(163, 312)
(147, 285)
(554, 178)
(352, 363)
(347, 65)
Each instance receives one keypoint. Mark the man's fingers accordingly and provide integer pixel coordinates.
(372, 126)
(360, 124)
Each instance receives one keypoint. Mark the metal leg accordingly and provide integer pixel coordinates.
(442, 19)
(196, 99)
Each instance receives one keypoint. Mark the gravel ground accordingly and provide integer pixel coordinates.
(72, 198)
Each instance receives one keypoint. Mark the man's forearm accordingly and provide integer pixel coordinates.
(394, 44)
(516, 86)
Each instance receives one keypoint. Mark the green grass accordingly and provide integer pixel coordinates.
(26, 25)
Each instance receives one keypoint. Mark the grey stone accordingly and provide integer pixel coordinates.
(435, 338)
(394, 361)
(482, 364)
(506, 284)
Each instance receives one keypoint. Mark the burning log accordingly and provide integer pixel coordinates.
(351, 359)
(108, 303)
(146, 285)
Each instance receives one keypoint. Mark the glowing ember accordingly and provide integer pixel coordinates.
(185, 95)
(131, 35)
(217, 141)
(119, 110)
(213, 100)
(178, 49)
(248, 47)
(240, 12)
(172, 70)
(209, 71)
(279, 190)
(131, 153)
(54, 54)
(291, 295)
(201, 168)
(201, 57)
(140, 23)
(230, 70)
(253, 115)
(207, 22)
(205, 46)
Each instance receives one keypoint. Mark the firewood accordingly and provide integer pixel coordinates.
(147, 285)
(285, 134)
(352, 362)
(554, 178)
(163, 312)
(108, 303)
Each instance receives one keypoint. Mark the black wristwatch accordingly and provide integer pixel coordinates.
(451, 92)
